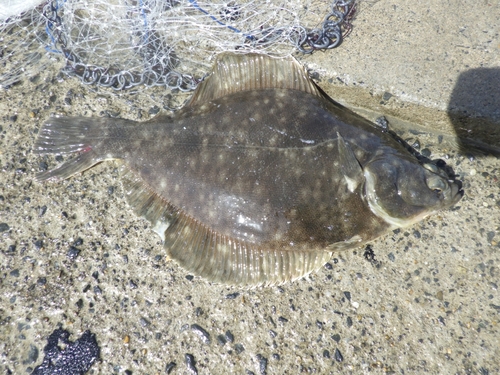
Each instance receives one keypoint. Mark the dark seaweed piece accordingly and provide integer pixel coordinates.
(75, 359)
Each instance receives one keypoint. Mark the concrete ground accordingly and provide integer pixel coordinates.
(73, 255)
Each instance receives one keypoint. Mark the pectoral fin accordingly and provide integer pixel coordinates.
(350, 167)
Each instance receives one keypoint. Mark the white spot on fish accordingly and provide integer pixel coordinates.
(307, 141)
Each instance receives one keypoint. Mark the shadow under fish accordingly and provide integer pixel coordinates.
(261, 176)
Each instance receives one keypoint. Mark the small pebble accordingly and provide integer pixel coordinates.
(144, 322)
(42, 210)
(79, 304)
(154, 110)
(336, 337)
(229, 336)
(282, 319)
(14, 273)
(191, 363)
(221, 339)
(338, 356)
(387, 96)
(73, 253)
(204, 335)
(262, 364)
(43, 166)
(426, 152)
(170, 367)
(32, 355)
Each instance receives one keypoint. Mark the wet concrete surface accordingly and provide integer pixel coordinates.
(73, 255)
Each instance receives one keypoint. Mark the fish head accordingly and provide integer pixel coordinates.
(403, 191)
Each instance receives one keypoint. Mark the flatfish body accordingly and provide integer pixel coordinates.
(260, 177)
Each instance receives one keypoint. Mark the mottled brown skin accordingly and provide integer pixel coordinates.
(273, 180)
(257, 182)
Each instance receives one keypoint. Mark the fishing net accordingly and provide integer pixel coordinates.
(126, 43)
(21, 51)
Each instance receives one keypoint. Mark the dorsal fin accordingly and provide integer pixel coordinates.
(237, 72)
(211, 255)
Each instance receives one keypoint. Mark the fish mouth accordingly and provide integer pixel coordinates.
(456, 191)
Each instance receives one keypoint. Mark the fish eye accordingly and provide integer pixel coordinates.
(436, 183)
(431, 167)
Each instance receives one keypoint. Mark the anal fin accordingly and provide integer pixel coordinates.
(213, 256)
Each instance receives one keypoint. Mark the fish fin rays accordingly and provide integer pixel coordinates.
(67, 135)
(219, 258)
(146, 203)
(73, 166)
(242, 72)
(351, 169)
(214, 256)
(351, 243)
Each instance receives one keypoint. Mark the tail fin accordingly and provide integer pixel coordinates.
(66, 135)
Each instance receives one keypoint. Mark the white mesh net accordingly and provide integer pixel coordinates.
(124, 43)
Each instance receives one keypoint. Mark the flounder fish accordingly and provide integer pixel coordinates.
(260, 177)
